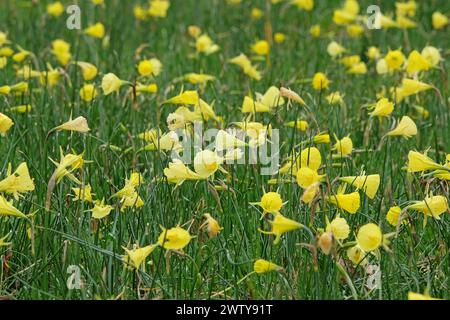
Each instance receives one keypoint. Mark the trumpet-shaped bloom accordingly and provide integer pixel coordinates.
(96, 30)
(405, 128)
(334, 49)
(151, 67)
(67, 165)
(272, 99)
(356, 255)
(55, 9)
(88, 92)
(261, 48)
(339, 228)
(281, 225)
(416, 62)
(158, 8)
(198, 78)
(7, 209)
(101, 210)
(419, 296)
(61, 49)
(419, 162)
(320, 81)
(394, 59)
(189, 97)
(439, 20)
(306, 177)
(226, 141)
(177, 173)
(5, 123)
(344, 147)
(174, 239)
(78, 124)
(263, 266)
(348, 202)
(111, 83)
(383, 108)
(410, 87)
(393, 215)
(206, 163)
(271, 202)
(369, 184)
(88, 70)
(432, 206)
(244, 62)
(204, 44)
(431, 55)
(18, 182)
(370, 237)
(137, 256)
(83, 194)
(211, 225)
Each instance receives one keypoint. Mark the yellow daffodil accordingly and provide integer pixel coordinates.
(204, 44)
(306, 177)
(339, 228)
(211, 225)
(55, 9)
(78, 124)
(432, 206)
(439, 20)
(177, 172)
(393, 215)
(7, 209)
(320, 81)
(281, 225)
(151, 67)
(394, 59)
(174, 239)
(158, 8)
(137, 256)
(382, 108)
(334, 49)
(261, 48)
(111, 83)
(17, 182)
(96, 30)
(419, 162)
(244, 62)
(405, 128)
(5, 123)
(263, 266)
(83, 194)
(369, 184)
(101, 210)
(369, 237)
(88, 92)
(348, 202)
(88, 70)
(344, 146)
(416, 62)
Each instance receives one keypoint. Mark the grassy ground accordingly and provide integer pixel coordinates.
(66, 235)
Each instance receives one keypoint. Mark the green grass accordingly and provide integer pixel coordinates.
(65, 236)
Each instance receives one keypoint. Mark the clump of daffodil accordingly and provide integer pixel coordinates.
(263, 266)
(136, 256)
(174, 239)
(280, 225)
(368, 184)
(246, 65)
(320, 81)
(17, 182)
(211, 225)
(271, 202)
